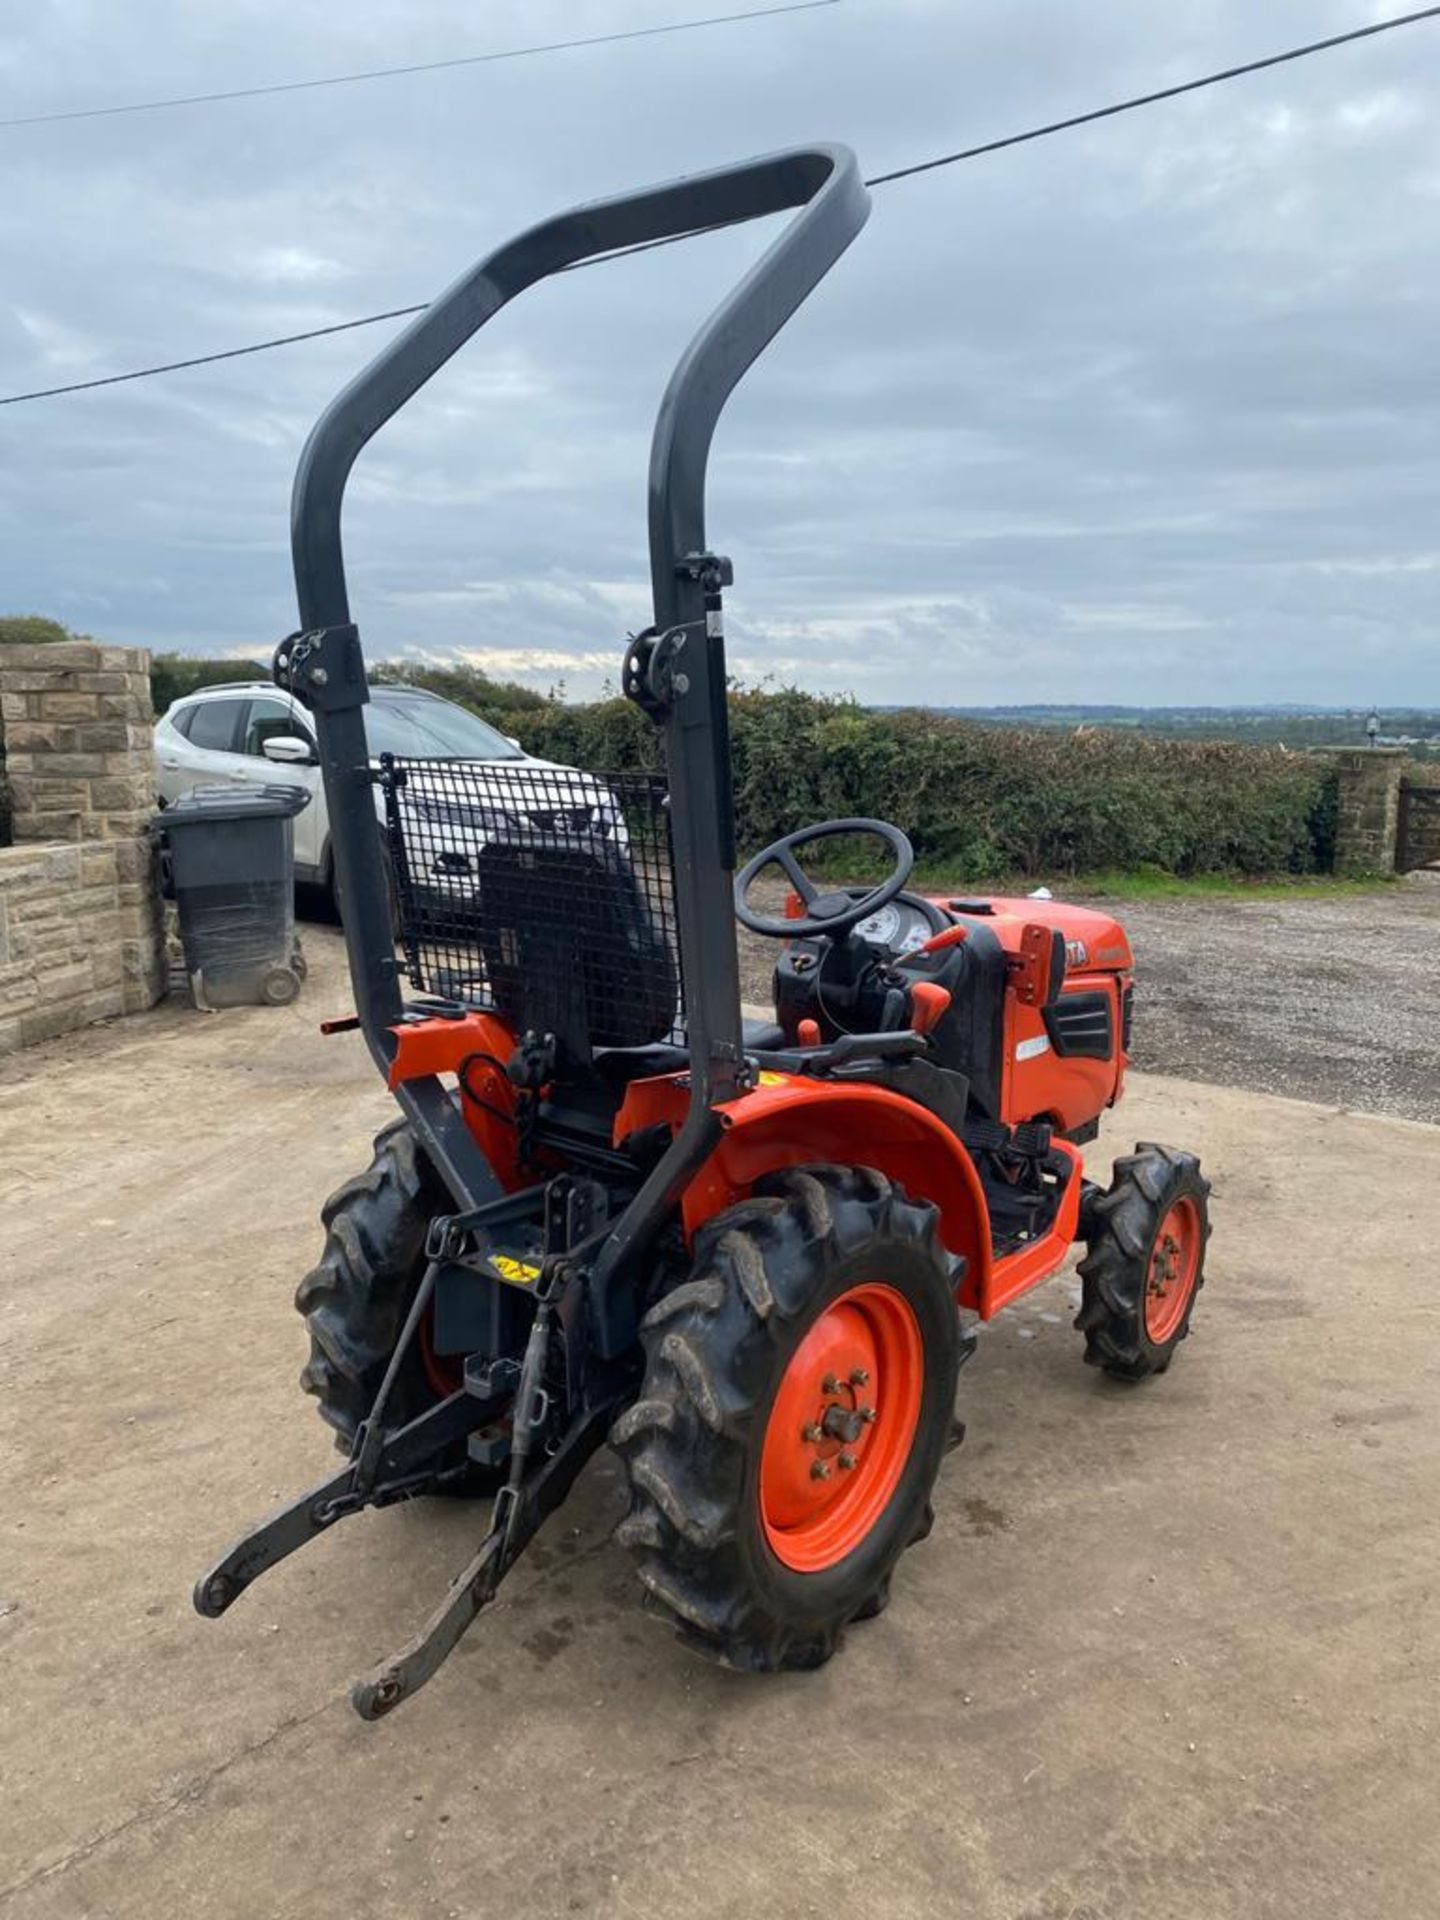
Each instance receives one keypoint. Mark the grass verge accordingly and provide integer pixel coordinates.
(1153, 883)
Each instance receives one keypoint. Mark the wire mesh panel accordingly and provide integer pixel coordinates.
(544, 893)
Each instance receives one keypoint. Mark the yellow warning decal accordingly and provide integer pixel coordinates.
(518, 1272)
(773, 1079)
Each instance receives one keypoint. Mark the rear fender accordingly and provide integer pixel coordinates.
(473, 1049)
(791, 1121)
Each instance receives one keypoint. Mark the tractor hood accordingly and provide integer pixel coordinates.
(1095, 942)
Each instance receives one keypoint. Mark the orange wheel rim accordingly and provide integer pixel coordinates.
(1173, 1267)
(841, 1427)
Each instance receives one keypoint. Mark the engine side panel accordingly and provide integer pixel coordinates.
(1054, 1070)
(1039, 1082)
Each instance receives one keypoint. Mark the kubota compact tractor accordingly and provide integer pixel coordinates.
(611, 1208)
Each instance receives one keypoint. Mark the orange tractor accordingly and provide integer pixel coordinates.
(614, 1209)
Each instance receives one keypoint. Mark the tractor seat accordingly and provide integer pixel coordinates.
(618, 1066)
(573, 946)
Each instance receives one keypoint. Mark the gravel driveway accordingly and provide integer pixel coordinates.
(1334, 999)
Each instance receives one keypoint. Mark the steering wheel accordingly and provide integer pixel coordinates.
(831, 913)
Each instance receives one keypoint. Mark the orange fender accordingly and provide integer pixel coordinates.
(487, 1098)
(791, 1120)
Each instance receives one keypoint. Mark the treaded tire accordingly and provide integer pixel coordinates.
(355, 1300)
(1122, 1225)
(716, 1350)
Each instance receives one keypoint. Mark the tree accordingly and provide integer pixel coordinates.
(33, 629)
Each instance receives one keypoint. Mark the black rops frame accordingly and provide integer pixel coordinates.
(677, 670)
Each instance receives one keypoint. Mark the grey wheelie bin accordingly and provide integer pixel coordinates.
(232, 869)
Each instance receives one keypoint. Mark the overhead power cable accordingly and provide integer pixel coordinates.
(1162, 93)
(1042, 132)
(422, 66)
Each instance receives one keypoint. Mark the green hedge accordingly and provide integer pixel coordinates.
(985, 802)
(980, 802)
(173, 675)
(497, 700)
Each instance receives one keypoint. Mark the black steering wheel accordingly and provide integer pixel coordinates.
(831, 913)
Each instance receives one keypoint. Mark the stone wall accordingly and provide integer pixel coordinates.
(80, 930)
(1367, 806)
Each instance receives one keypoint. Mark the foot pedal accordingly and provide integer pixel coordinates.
(1033, 1138)
(490, 1447)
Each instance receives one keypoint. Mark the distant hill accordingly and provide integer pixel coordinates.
(1292, 725)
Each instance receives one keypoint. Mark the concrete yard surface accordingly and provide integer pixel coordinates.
(1170, 1653)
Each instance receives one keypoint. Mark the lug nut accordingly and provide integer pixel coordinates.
(829, 1384)
(847, 1460)
(819, 1470)
(810, 1431)
(859, 1378)
(867, 1414)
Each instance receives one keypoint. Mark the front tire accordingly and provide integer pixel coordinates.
(798, 1398)
(1145, 1262)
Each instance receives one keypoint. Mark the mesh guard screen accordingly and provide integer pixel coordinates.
(543, 893)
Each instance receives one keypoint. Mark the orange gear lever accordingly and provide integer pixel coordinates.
(928, 1005)
(947, 937)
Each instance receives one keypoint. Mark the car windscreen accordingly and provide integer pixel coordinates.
(432, 730)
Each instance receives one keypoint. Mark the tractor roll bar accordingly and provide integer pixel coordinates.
(823, 181)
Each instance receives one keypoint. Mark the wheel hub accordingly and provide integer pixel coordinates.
(1174, 1264)
(841, 1427)
(1164, 1265)
(846, 1423)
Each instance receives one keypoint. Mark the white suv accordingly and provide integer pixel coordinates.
(256, 734)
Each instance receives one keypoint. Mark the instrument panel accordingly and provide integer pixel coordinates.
(897, 928)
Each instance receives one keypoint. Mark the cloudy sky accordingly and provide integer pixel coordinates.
(1145, 412)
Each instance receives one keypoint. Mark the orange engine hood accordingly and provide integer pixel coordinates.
(1095, 941)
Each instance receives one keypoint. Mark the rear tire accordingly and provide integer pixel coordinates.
(1145, 1262)
(753, 1566)
(355, 1300)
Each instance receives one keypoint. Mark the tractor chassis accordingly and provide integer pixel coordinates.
(589, 1250)
(402, 1465)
